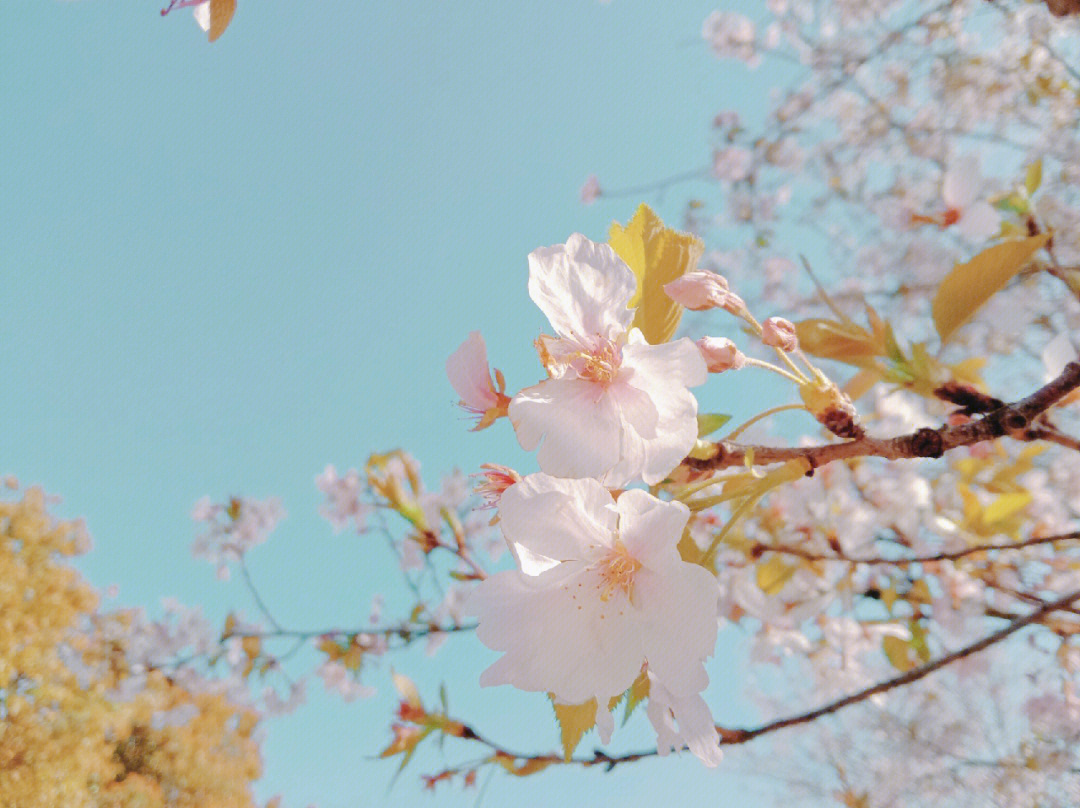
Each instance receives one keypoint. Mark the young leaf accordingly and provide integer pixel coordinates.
(657, 255)
(709, 422)
(221, 14)
(638, 692)
(1033, 177)
(574, 721)
(773, 574)
(970, 285)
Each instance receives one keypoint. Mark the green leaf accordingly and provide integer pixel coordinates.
(709, 422)
(1033, 177)
(574, 721)
(968, 286)
(657, 255)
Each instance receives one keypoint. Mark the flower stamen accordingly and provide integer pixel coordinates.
(617, 569)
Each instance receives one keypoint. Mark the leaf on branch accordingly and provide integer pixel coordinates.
(1033, 177)
(773, 574)
(709, 422)
(574, 721)
(638, 692)
(221, 14)
(657, 255)
(526, 767)
(899, 652)
(968, 286)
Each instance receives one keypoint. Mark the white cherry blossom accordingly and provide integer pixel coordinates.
(600, 590)
(613, 407)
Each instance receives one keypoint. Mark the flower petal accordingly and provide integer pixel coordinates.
(557, 519)
(577, 421)
(573, 645)
(583, 287)
(469, 374)
(695, 730)
(651, 528)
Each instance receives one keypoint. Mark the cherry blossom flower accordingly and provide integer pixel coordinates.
(590, 191)
(974, 218)
(343, 502)
(470, 376)
(613, 407)
(600, 590)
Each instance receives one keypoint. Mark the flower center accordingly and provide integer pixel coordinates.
(617, 570)
(600, 364)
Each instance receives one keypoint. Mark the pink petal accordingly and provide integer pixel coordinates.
(583, 287)
(577, 421)
(470, 376)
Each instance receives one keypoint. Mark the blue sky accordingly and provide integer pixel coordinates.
(228, 265)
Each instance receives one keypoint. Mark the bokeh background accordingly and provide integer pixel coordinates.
(226, 266)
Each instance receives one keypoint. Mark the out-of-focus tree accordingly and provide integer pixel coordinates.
(84, 723)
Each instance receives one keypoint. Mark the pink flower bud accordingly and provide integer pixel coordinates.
(699, 290)
(776, 332)
(720, 354)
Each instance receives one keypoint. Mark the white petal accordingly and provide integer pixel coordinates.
(664, 372)
(577, 422)
(961, 182)
(695, 730)
(1057, 354)
(980, 221)
(558, 635)
(677, 612)
(469, 374)
(583, 288)
(557, 518)
(202, 15)
(651, 528)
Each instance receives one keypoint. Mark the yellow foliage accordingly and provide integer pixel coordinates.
(65, 740)
(968, 286)
(657, 255)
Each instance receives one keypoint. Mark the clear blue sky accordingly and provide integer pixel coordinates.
(225, 266)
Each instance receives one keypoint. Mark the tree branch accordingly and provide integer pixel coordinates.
(1014, 420)
(810, 555)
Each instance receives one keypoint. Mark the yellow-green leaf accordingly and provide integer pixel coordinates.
(1005, 506)
(637, 693)
(574, 721)
(968, 286)
(1033, 177)
(844, 342)
(657, 255)
(221, 14)
(773, 574)
(709, 422)
(898, 652)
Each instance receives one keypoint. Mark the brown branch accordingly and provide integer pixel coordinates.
(733, 736)
(810, 555)
(1014, 420)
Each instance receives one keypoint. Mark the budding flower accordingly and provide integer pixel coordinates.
(700, 290)
(776, 332)
(720, 354)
